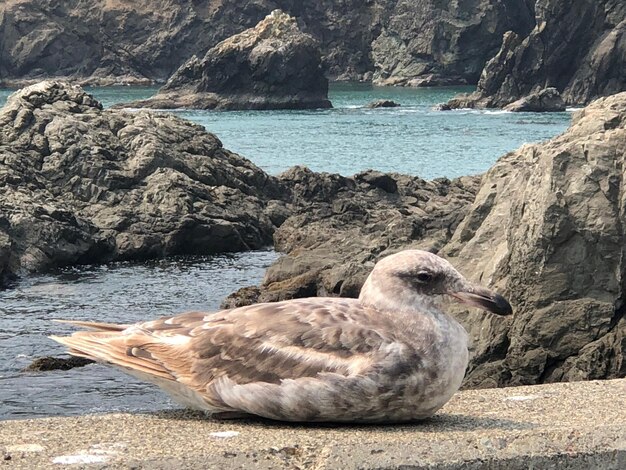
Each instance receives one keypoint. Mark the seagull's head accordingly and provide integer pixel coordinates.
(413, 278)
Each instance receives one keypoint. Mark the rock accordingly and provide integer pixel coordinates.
(383, 104)
(546, 230)
(341, 226)
(425, 43)
(546, 100)
(271, 66)
(87, 185)
(48, 363)
(577, 47)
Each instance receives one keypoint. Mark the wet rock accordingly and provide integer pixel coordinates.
(271, 66)
(577, 47)
(546, 100)
(546, 230)
(48, 363)
(87, 185)
(383, 104)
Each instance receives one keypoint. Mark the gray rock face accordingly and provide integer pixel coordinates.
(430, 43)
(140, 41)
(577, 47)
(547, 230)
(83, 185)
(271, 66)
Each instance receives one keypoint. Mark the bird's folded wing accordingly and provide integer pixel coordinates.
(260, 343)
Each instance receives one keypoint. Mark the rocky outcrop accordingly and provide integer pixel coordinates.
(83, 185)
(546, 100)
(382, 104)
(139, 41)
(87, 185)
(577, 47)
(271, 66)
(341, 226)
(547, 230)
(429, 43)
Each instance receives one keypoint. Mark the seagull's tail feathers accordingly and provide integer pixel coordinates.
(127, 351)
(92, 325)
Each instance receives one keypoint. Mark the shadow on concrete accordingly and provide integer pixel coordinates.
(438, 423)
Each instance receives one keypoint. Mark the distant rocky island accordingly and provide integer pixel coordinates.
(271, 66)
(544, 225)
(513, 49)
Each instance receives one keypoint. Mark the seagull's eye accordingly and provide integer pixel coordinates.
(424, 277)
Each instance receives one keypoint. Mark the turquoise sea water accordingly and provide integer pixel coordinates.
(349, 138)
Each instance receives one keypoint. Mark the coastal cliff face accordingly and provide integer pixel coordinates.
(140, 41)
(576, 47)
(437, 43)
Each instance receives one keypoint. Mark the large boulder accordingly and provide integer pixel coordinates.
(542, 101)
(84, 185)
(271, 66)
(577, 47)
(547, 230)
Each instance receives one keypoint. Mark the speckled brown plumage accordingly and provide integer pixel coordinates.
(390, 355)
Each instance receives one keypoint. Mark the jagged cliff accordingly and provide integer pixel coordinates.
(577, 47)
(133, 41)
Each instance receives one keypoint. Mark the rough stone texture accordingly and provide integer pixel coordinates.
(271, 66)
(341, 226)
(575, 426)
(431, 43)
(547, 231)
(383, 104)
(546, 100)
(87, 185)
(81, 185)
(139, 41)
(577, 47)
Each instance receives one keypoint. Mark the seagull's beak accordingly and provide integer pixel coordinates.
(485, 299)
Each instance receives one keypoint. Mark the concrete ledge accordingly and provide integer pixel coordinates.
(572, 425)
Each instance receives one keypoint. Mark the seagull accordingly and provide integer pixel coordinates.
(392, 355)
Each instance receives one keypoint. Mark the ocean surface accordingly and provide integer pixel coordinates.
(347, 139)
(412, 139)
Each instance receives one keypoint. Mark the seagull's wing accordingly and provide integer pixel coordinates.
(249, 354)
